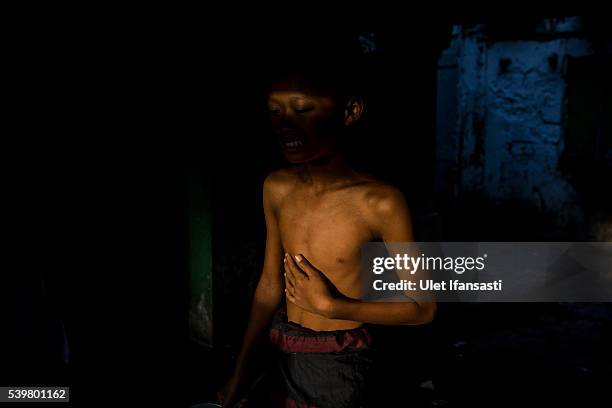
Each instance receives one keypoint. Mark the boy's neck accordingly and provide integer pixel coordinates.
(327, 171)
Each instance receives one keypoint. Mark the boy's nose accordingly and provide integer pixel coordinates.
(288, 120)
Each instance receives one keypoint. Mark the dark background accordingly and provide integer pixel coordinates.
(104, 209)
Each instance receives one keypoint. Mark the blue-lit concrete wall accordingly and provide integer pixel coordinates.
(500, 116)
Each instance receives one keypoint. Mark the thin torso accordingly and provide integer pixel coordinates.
(328, 227)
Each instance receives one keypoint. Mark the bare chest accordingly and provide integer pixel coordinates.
(328, 229)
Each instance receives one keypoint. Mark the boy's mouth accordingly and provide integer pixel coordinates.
(291, 140)
(293, 143)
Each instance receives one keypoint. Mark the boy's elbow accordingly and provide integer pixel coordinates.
(269, 293)
(426, 313)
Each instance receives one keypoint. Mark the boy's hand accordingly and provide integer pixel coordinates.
(228, 395)
(307, 287)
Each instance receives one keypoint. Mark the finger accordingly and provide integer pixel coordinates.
(295, 270)
(288, 270)
(289, 296)
(288, 274)
(292, 290)
(289, 281)
(305, 265)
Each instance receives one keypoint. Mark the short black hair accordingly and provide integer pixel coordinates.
(330, 64)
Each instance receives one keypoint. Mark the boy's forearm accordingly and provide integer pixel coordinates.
(263, 308)
(391, 313)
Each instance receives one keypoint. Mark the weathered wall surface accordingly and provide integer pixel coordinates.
(503, 139)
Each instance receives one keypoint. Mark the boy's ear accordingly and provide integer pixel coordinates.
(353, 111)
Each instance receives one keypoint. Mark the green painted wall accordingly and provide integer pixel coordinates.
(197, 190)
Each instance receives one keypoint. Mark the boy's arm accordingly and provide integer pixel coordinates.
(269, 291)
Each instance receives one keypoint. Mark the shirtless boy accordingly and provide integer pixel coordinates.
(319, 212)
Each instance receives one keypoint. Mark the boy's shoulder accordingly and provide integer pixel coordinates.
(379, 201)
(279, 183)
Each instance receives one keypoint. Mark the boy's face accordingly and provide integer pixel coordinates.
(305, 123)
